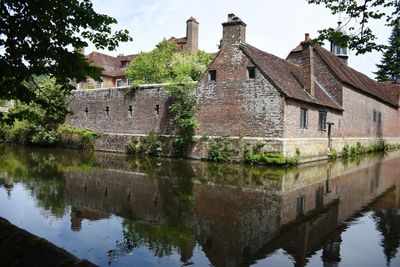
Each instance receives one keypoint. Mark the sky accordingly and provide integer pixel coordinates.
(272, 26)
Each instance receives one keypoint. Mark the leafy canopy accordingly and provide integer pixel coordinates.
(166, 64)
(37, 36)
(389, 69)
(359, 14)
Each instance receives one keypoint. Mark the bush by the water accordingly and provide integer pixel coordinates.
(72, 137)
(148, 145)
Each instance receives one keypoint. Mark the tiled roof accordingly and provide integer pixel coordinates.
(111, 65)
(392, 89)
(287, 77)
(354, 78)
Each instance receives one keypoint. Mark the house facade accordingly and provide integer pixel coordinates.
(309, 104)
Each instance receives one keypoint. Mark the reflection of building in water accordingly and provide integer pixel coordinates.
(303, 212)
(7, 181)
(78, 215)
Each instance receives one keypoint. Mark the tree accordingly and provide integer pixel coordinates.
(165, 64)
(37, 37)
(358, 16)
(389, 69)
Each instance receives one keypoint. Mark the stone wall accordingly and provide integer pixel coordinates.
(121, 110)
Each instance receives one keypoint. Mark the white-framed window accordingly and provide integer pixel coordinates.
(99, 83)
(119, 83)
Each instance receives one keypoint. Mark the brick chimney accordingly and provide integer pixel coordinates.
(192, 35)
(234, 31)
(308, 65)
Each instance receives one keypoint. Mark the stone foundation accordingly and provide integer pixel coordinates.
(308, 149)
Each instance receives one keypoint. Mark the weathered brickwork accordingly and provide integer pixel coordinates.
(235, 105)
(129, 112)
(252, 96)
(358, 118)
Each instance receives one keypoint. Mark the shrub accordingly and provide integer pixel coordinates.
(332, 155)
(149, 145)
(346, 151)
(43, 137)
(255, 155)
(221, 150)
(73, 137)
(19, 132)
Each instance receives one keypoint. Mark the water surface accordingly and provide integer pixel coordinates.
(116, 210)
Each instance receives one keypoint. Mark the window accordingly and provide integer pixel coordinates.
(374, 116)
(124, 64)
(119, 83)
(99, 83)
(379, 117)
(212, 75)
(157, 109)
(251, 72)
(129, 81)
(322, 121)
(300, 205)
(303, 118)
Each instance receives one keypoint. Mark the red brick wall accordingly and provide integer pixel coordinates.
(292, 120)
(235, 105)
(358, 116)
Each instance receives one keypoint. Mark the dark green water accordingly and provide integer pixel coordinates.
(124, 211)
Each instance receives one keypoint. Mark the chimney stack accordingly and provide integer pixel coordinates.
(192, 35)
(234, 31)
(308, 65)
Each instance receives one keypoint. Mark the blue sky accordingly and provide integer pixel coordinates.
(273, 26)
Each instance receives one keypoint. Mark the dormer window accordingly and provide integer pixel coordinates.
(212, 75)
(251, 73)
(124, 63)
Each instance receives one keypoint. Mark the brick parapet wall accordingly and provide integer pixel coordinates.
(137, 111)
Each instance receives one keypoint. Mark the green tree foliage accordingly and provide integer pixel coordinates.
(358, 17)
(35, 122)
(165, 64)
(36, 38)
(389, 69)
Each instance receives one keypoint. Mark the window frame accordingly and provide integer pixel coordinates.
(322, 120)
(303, 118)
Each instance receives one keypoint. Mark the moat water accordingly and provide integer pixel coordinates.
(116, 210)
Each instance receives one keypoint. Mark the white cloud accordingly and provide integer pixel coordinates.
(273, 26)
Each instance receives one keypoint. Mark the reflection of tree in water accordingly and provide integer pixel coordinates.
(169, 237)
(41, 173)
(388, 224)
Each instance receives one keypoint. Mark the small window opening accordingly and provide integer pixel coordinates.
(212, 75)
(107, 110)
(374, 116)
(130, 110)
(379, 118)
(322, 121)
(303, 118)
(251, 72)
(124, 64)
(86, 111)
(129, 81)
(157, 109)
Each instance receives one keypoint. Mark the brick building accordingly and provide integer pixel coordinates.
(308, 104)
(113, 74)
